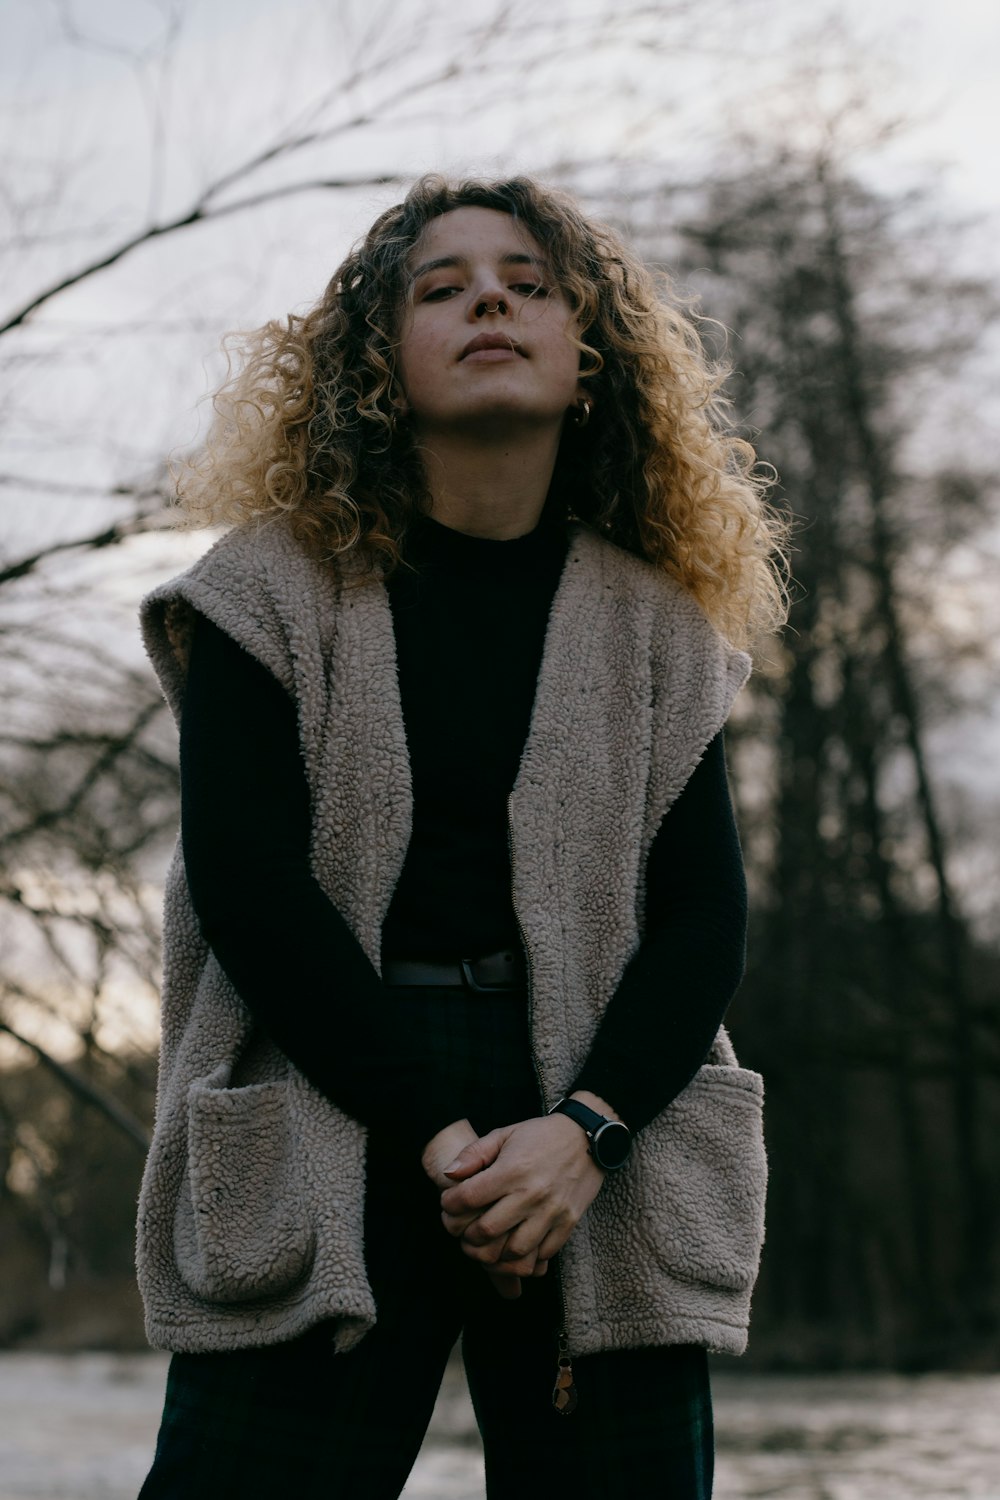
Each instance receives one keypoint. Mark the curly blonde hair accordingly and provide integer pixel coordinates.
(308, 425)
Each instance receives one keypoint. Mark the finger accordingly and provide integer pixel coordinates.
(499, 1220)
(508, 1287)
(456, 1224)
(523, 1238)
(525, 1242)
(553, 1242)
(487, 1255)
(479, 1192)
(476, 1156)
(501, 1255)
(517, 1265)
(509, 1265)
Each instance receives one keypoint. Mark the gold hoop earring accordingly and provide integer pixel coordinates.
(581, 414)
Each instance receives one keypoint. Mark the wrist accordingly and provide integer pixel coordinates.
(595, 1102)
(609, 1138)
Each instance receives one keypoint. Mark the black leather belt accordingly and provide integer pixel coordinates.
(496, 971)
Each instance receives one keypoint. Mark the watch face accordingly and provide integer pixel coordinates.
(612, 1145)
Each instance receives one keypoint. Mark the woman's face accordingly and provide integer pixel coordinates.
(485, 344)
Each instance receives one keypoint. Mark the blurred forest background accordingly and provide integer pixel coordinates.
(175, 170)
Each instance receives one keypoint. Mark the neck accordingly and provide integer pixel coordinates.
(495, 487)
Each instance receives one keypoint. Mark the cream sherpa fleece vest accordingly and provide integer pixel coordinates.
(251, 1211)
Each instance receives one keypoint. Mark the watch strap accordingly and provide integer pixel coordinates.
(594, 1125)
(588, 1119)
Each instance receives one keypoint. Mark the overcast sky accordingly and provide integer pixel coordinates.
(938, 61)
(947, 62)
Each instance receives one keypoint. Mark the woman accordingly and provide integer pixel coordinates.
(458, 905)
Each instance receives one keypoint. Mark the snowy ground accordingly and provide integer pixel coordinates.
(81, 1427)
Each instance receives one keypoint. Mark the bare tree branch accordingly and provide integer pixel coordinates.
(103, 763)
(75, 487)
(89, 1092)
(199, 214)
(471, 58)
(110, 536)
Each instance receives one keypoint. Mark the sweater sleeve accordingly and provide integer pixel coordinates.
(245, 830)
(661, 1021)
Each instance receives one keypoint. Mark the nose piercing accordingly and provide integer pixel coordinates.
(482, 308)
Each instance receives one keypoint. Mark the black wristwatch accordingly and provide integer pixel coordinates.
(610, 1140)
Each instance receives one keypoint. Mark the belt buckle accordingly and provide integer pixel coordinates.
(472, 983)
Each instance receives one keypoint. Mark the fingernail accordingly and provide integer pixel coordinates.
(451, 1166)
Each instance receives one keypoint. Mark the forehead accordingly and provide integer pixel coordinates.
(464, 232)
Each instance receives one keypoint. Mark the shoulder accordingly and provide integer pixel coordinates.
(262, 556)
(633, 580)
(684, 646)
(258, 584)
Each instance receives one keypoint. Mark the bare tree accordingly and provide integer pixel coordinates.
(862, 1004)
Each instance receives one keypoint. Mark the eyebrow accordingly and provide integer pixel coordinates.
(449, 262)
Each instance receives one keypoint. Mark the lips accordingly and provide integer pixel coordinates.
(505, 341)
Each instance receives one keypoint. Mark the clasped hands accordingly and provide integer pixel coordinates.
(513, 1197)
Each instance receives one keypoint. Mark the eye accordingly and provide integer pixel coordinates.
(531, 288)
(440, 293)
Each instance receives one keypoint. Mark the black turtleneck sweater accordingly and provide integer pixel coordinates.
(469, 617)
(469, 626)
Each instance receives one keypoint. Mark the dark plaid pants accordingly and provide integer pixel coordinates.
(295, 1419)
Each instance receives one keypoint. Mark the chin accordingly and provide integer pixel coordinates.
(505, 413)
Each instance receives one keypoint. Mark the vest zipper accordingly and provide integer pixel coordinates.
(564, 1394)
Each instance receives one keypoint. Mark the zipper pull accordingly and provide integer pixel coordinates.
(564, 1394)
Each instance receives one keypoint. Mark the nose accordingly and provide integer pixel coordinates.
(494, 304)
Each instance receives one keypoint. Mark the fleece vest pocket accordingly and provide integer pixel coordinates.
(242, 1230)
(703, 1176)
